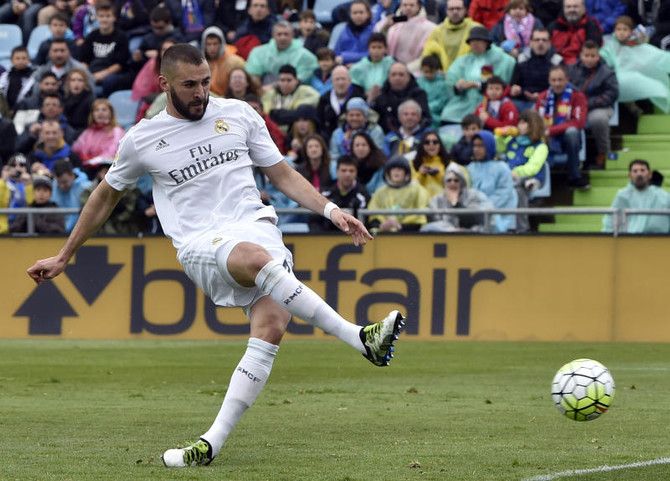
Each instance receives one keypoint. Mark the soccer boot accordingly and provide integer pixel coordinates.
(378, 338)
(197, 454)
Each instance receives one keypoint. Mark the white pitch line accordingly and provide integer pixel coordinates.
(601, 469)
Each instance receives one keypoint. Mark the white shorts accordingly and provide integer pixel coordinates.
(205, 261)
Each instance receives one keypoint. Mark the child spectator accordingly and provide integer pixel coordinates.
(101, 139)
(69, 185)
(352, 44)
(372, 71)
(430, 162)
(16, 189)
(44, 223)
(321, 80)
(132, 16)
(370, 159)
(497, 110)
(16, 83)
(514, 30)
(312, 37)
(105, 52)
(398, 193)
(641, 69)
(462, 150)
(161, 29)
(433, 83)
(59, 28)
(78, 99)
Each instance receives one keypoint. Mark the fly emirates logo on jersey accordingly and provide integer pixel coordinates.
(202, 159)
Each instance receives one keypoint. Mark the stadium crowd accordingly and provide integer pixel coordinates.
(398, 104)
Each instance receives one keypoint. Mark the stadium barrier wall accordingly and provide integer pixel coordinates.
(542, 288)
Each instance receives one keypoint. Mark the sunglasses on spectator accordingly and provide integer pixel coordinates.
(431, 141)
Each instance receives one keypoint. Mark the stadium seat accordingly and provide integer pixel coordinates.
(10, 37)
(124, 107)
(37, 36)
(134, 43)
(335, 34)
(545, 188)
(323, 9)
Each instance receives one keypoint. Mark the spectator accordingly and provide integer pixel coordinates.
(62, 7)
(370, 160)
(282, 101)
(332, 104)
(306, 123)
(241, 84)
(59, 27)
(457, 194)
(347, 192)
(68, 186)
(257, 28)
(605, 11)
(462, 150)
(407, 137)
(28, 109)
(105, 52)
(564, 111)
(514, 30)
(531, 73)
(312, 37)
(400, 86)
(595, 79)
(321, 80)
(51, 146)
(222, 58)
(145, 86)
(640, 194)
(572, 28)
(44, 223)
(101, 139)
(16, 83)
(449, 40)
(8, 136)
(429, 163)
(497, 110)
(358, 118)
(52, 109)
(161, 29)
(192, 17)
(276, 133)
(124, 218)
(316, 168)
(469, 73)
(352, 44)
(432, 82)
(487, 12)
(493, 178)
(372, 71)
(265, 60)
(641, 69)
(645, 13)
(61, 62)
(546, 10)
(148, 220)
(407, 37)
(400, 192)
(22, 13)
(16, 189)
(132, 16)
(85, 20)
(78, 99)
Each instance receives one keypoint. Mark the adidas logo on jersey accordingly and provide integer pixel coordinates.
(161, 145)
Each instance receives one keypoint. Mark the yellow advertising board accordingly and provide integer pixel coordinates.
(451, 287)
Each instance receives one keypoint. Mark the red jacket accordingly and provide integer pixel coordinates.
(487, 12)
(568, 39)
(578, 111)
(507, 115)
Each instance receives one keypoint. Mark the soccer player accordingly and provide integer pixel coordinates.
(200, 154)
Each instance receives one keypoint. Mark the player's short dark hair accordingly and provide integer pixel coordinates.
(62, 166)
(325, 53)
(59, 16)
(495, 80)
(307, 14)
(638, 161)
(471, 119)
(17, 49)
(160, 14)
(432, 62)
(289, 69)
(590, 44)
(181, 52)
(347, 160)
(377, 37)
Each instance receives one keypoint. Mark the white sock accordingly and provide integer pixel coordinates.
(245, 385)
(298, 299)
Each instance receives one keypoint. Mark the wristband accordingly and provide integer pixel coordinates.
(330, 206)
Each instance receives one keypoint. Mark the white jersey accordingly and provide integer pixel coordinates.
(201, 170)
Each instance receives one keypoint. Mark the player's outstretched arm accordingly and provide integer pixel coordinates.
(95, 212)
(294, 185)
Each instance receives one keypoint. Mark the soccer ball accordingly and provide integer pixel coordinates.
(583, 389)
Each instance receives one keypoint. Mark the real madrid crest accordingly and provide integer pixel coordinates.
(221, 127)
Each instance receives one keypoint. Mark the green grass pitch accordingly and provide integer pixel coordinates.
(106, 410)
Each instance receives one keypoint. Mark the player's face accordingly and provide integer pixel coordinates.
(188, 90)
